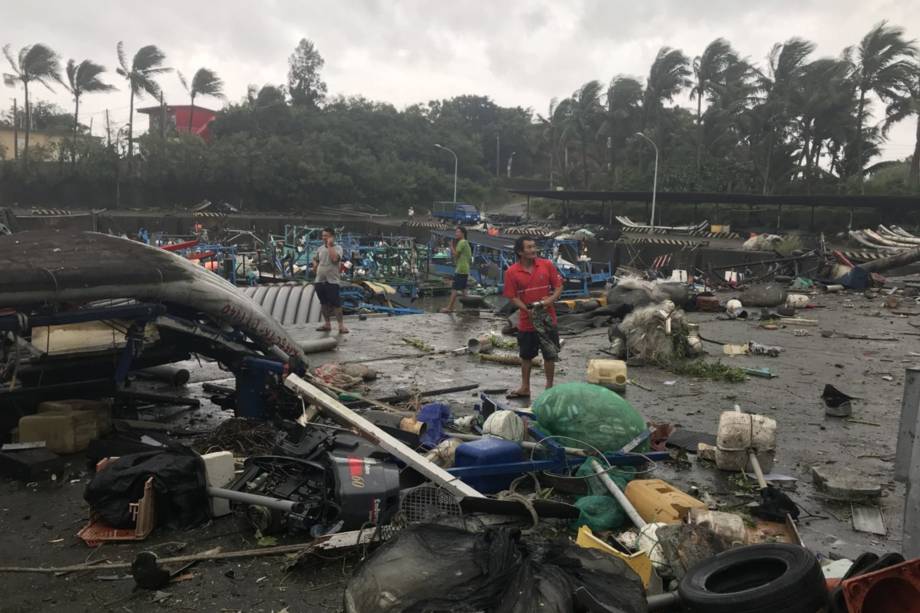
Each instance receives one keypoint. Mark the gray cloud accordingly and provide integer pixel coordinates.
(407, 51)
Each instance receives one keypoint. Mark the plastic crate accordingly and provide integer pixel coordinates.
(143, 512)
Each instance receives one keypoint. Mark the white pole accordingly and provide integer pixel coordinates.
(455, 167)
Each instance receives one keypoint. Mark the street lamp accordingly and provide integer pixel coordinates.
(655, 179)
(455, 167)
(510, 159)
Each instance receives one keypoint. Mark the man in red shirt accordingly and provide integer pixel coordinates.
(533, 284)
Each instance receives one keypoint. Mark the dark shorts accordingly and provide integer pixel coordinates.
(328, 294)
(460, 281)
(529, 344)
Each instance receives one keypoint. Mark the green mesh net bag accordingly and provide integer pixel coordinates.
(599, 510)
(588, 414)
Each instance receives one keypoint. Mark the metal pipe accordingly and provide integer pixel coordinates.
(617, 493)
(663, 602)
(277, 504)
(910, 405)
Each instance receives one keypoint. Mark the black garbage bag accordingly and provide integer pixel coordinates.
(179, 483)
(433, 568)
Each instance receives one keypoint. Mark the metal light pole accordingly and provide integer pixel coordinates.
(655, 179)
(455, 167)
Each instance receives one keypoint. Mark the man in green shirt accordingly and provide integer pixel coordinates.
(462, 253)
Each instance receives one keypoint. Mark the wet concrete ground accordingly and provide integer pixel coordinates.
(38, 522)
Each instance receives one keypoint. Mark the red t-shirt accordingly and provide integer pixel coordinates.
(531, 286)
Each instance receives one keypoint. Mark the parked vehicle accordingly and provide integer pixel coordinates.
(456, 212)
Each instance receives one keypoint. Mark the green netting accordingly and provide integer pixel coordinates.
(599, 513)
(588, 415)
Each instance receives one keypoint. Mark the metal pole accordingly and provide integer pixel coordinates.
(15, 130)
(908, 439)
(285, 506)
(453, 153)
(907, 433)
(618, 494)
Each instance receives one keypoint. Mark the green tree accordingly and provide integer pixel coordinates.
(903, 107)
(146, 64)
(305, 85)
(882, 65)
(623, 120)
(770, 119)
(585, 115)
(667, 77)
(204, 83)
(36, 62)
(83, 78)
(554, 134)
(709, 73)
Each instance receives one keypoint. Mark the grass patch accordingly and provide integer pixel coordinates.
(701, 369)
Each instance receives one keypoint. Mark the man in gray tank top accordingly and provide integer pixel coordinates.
(326, 264)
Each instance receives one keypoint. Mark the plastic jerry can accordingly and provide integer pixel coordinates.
(659, 501)
(484, 453)
(608, 373)
(102, 409)
(219, 468)
(62, 432)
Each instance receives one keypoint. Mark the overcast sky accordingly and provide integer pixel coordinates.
(518, 53)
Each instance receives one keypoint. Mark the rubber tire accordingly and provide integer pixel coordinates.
(799, 589)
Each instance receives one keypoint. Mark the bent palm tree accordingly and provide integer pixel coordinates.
(901, 109)
(666, 78)
(36, 62)
(204, 83)
(584, 115)
(83, 78)
(709, 71)
(882, 66)
(146, 64)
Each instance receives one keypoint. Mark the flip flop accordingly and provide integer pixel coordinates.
(515, 395)
(324, 329)
(344, 330)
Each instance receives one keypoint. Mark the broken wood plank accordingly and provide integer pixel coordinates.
(377, 436)
(325, 543)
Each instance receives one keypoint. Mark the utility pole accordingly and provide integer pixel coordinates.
(108, 130)
(162, 118)
(15, 130)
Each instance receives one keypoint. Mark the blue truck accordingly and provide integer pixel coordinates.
(456, 212)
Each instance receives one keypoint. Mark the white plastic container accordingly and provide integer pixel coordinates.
(608, 373)
(740, 432)
(219, 468)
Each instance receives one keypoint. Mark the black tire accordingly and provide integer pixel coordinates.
(764, 578)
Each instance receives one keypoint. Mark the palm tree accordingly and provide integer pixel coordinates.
(883, 66)
(146, 64)
(781, 87)
(666, 78)
(83, 78)
(624, 110)
(554, 132)
(709, 71)
(902, 108)
(204, 83)
(584, 115)
(36, 62)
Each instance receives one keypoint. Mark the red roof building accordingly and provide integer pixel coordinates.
(177, 118)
